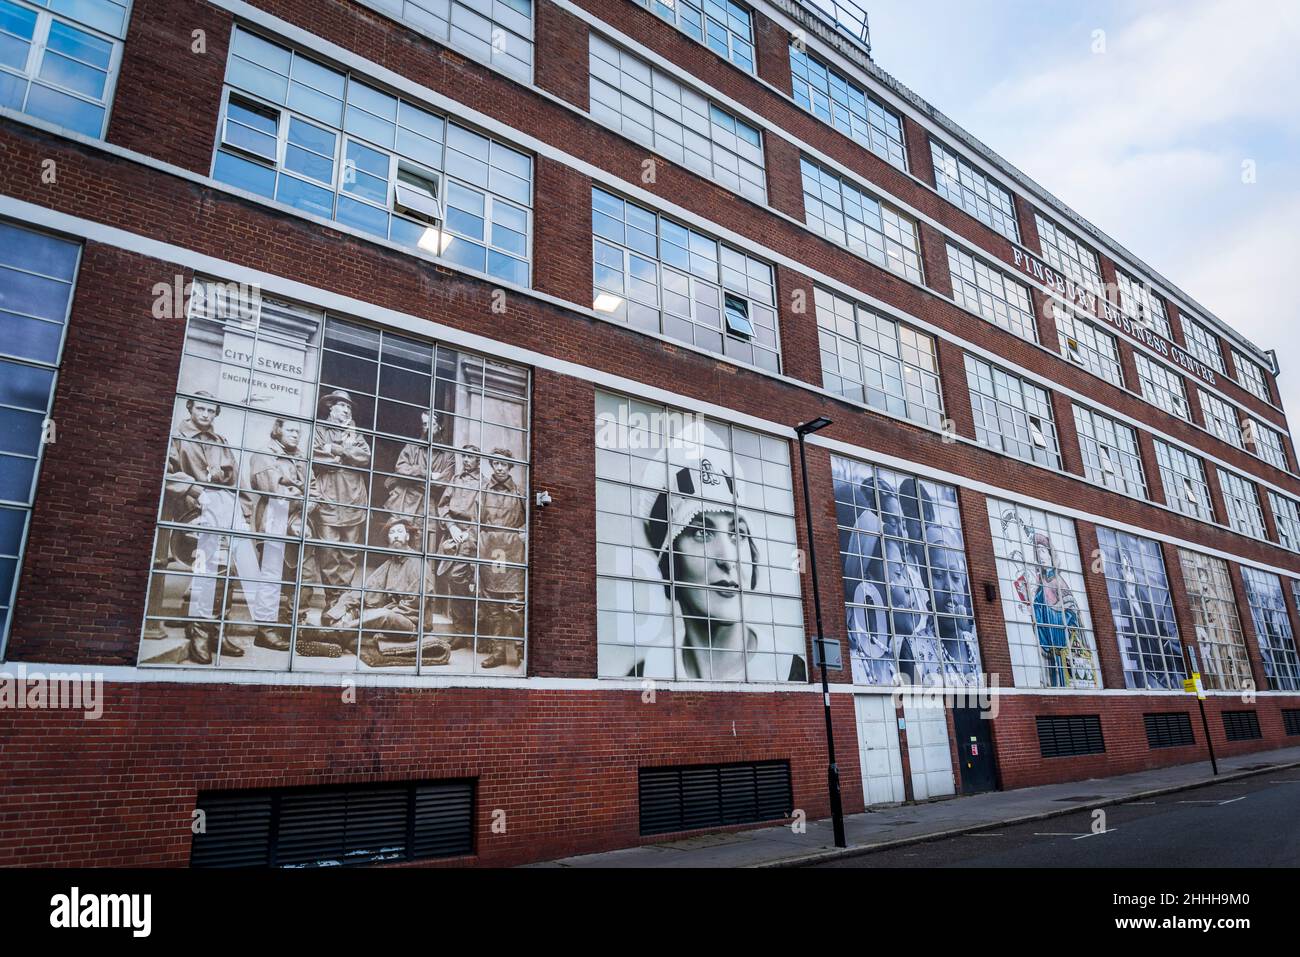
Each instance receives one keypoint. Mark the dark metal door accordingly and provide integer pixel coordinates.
(979, 766)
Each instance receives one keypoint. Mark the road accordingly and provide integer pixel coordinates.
(1254, 822)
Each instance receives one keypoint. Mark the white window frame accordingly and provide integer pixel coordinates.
(991, 293)
(1187, 489)
(1241, 499)
(1127, 476)
(1158, 384)
(963, 191)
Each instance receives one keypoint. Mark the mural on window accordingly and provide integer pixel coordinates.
(695, 549)
(906, 586)
(1138, 588)
(1273, 629)
(338, 498)
(1224, 665)
(1044, 602)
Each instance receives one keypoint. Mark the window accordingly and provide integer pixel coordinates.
(849, 217)
(1012, 415)
(1183, 478)
(1111, 456)
(1286, 515)
(1138, 588)
(1268, 610)
(37, 276)
(1064, 736)
(338, 498)
(1087, 345)
(1241, 725)
(60, 65)
(846, 106)
(1203, 344)
(870, 358)
(651, 107)
(1162, 387)
(1252, 377)
(335, 825)
(695, 549)
(689, 798)
(1267, 443)
(497, 32)
(724, 27)
(906, 584)
(1141, 304)
(1225, 665)
(661, 277)
(1221, 419)
(1044, 599)
(992, 294)
(965, 186)
(322, 141)
(1068, 256)
(1241, 497)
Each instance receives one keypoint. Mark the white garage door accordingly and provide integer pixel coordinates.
(882, 765)
(927, 748)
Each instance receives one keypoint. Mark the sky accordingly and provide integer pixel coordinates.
(1150, 118)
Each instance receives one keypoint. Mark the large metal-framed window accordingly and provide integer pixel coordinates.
(1012, 415)
(648, 105)
(1267, 443)
(871, 358)
(1251, 376)
(1183, 477)
(496, 32)
(723, 26)
(991, 293)
(1068, 256)
(1202, 343)
(338, 497)
(1085, 344)
(38, 274)
(1221, 419)
(1268, 610)
(907, 595)
(59, 61)
(1162, 387)
(843, 104)
(659, 276)
(965, 186)
(1225, 665)
(1143, 611)
(1140, 303)
(696, 571)
(1111, 455)
(1044, 599)
(1245, 514)
(318, 139)
(1286, 514)
(858, 221)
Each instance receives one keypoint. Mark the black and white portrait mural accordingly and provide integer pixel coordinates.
(1224, 664)
(906, 586)
(1044, 603)
(1138, 587)
(339, 498)
(697, 574)
(1268, 611)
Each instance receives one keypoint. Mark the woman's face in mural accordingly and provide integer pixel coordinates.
(891, 513)
(950, 582)
(714, 558)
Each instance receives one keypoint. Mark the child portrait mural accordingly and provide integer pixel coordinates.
(1044, 603)
(1138, 588)
(906, 585)
(327, 501)
(695, 556)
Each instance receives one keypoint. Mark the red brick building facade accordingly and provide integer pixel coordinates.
(210, 163)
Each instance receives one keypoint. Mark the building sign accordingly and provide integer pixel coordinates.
(1086, 299)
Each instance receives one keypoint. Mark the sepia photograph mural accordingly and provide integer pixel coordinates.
(696, 561)
(1223, 661)
(1044, 603)
(1140, 604)
(906, 585)
(340, 498)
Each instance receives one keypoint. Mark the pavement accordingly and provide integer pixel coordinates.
(887, 828)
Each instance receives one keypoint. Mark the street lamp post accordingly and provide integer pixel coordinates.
(832, 770)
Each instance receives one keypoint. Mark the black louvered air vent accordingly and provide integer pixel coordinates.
(1291, 721)
(321, 827)
(1169, 729)
(1061, 736)
(686, 799)
(1241, 725)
